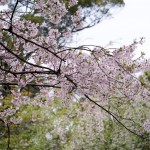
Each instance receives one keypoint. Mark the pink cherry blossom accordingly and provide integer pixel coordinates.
(30, 59)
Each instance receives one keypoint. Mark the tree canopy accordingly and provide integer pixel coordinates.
(91, 77)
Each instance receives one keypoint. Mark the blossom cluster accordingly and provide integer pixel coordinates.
(147, 125)
(31, 59)
(3, 2)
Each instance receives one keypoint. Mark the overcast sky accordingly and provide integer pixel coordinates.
(128, 23)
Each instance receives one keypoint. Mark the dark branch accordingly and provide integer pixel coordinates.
(12, 15)
(8, 132)
(28, 72)
(6, 48)
(114, 117)
(30, 84)
(27, 40)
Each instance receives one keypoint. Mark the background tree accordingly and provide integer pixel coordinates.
(80, 126)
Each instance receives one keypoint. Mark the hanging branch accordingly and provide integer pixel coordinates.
(111, 114)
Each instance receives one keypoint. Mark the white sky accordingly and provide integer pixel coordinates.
(129, 23)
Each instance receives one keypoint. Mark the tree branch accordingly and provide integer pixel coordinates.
(33, 43)
(30, 84)
(6, 48)
(114, 117)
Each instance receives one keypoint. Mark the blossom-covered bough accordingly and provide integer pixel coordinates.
(30, 59)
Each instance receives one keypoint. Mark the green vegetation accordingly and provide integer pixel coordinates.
(61, 127)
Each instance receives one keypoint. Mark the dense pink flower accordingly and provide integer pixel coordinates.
(31, 59)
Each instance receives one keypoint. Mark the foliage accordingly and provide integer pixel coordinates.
(76, 127)
(58, 127)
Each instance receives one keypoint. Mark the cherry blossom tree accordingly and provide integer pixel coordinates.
(93, 73)
(79, 126)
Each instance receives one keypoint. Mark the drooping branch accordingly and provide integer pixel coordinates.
(27, 40)
(31, 84)
(8, 131)
(23, 60)
(111, 114)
